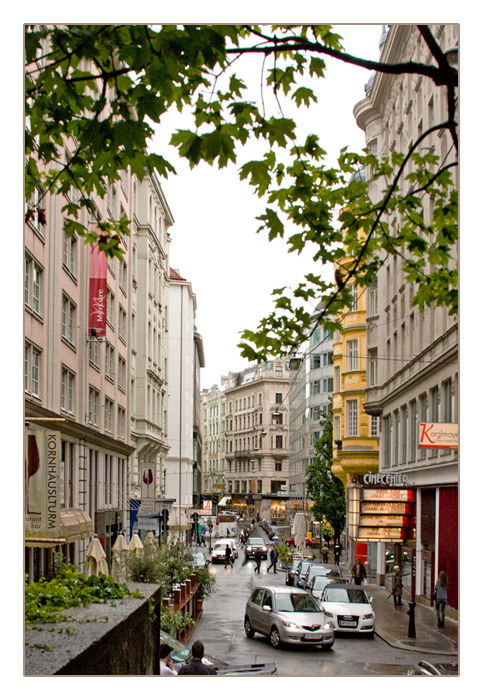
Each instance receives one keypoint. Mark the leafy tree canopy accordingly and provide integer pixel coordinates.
(325, 489)
(103, 88)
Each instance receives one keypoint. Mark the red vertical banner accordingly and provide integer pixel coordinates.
(97, 291)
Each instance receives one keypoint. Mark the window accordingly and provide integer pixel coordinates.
(108, 415)
(313, 437)
(375, 426)
(110, 308)
(109, 368)
(278, 371)
(279, 442)
(373, 367)
(315, 362)
(93, 406)
(94, 353)
(337, 378)
(33, 285)
(448, 401)
(121, 373)
(278, 399)
(397, 426)
(67, 390)
(122, 323)
(68, 319)
(404, 435)
(278, 466)
(414, 437)
(327, 359)
(123, 275)
(337, 427)
(328, 385)
(32, 370)
(277, 419)
(352, 418)
(387, 443)
(111, 199)
(315, 387)
(352, 355)
(355, 300)
(69, 254)
(35, 213)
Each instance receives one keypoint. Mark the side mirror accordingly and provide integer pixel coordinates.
(267, 608)
(371, 599)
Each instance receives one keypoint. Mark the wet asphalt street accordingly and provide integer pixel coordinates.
(220, 628)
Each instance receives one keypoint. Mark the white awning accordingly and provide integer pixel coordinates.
(75, 524)
(224, 501)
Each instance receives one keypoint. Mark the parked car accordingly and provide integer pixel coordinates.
(232, 542)
(287, 616)
(318, 585)
(424, 668)
(291, 574)
(290, 541)
(218, 553)
(318, 569)
(181, 654)
(199, 560)
(348, 608)
(254, 543)
(301, 571)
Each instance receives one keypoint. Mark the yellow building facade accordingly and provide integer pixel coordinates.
(356, 433)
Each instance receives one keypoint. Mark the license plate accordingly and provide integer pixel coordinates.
(312, 635)
(347, 623)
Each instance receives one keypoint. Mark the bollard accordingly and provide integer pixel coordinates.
(412, 626)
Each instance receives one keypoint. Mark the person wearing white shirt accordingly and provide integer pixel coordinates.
(165, 661)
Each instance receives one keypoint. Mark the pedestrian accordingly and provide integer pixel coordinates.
(196, 667)
(325, 554)
(273, 560)
(228, 557)
(337, 550)
(258, 560)
(228, 532)
(165, 661)
(440, 596)
(397, 586)
(358, 572)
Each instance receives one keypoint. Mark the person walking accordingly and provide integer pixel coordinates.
(440, 596)
(325, 554)
(337, 550)
(165, 661)
(358, 572)
(196, 667)
(228, 557)
(273, 560)
(258, 560)
(397, 586)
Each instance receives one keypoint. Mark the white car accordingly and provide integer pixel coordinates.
(348, 608)
(228, 540)
(218, 554)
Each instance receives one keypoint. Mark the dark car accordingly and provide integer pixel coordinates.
(291, 574)
(254, 544)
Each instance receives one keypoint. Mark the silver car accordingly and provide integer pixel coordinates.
(287, 615)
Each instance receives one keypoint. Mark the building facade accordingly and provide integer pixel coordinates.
(414, 353)
(184, 460)
(257, 439)
(213, 404)
(311, 387)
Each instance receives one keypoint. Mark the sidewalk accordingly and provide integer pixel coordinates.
(392, 623)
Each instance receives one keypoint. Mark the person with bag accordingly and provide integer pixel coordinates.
(440, 596)
(397, 586)
(358, 573)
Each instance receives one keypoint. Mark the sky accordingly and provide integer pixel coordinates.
(215, 245)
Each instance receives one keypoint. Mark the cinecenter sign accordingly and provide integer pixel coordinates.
(438, 436)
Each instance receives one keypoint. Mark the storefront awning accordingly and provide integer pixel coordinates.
(75, 524)
(224, 501)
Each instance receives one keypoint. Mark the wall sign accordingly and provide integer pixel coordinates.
(438, 436)
(380, 515)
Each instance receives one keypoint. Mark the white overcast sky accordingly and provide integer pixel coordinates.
(233, 270)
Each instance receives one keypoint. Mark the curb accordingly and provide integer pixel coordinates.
(422, 650)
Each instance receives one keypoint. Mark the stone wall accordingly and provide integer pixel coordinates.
(120, 638)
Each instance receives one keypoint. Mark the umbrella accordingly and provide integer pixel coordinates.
(299, 529)
(95, 559)
(135, 545)
(118, 566)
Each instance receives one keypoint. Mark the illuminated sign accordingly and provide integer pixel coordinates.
(438, 436)
(381, 515)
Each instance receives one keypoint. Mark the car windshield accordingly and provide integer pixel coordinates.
(180, 652)
(304, 566)
(320, 583)
(295, 602)
(255, 540)
(345, 595)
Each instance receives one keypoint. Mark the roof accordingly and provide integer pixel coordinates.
(348, 586)
(175, 275)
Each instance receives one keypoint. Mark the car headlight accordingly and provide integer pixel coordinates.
(328, 626)
(264, 549)
(292, 625)
(249, 549)
(369, 616)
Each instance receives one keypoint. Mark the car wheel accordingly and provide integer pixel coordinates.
(275, 638)
(249, 631)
